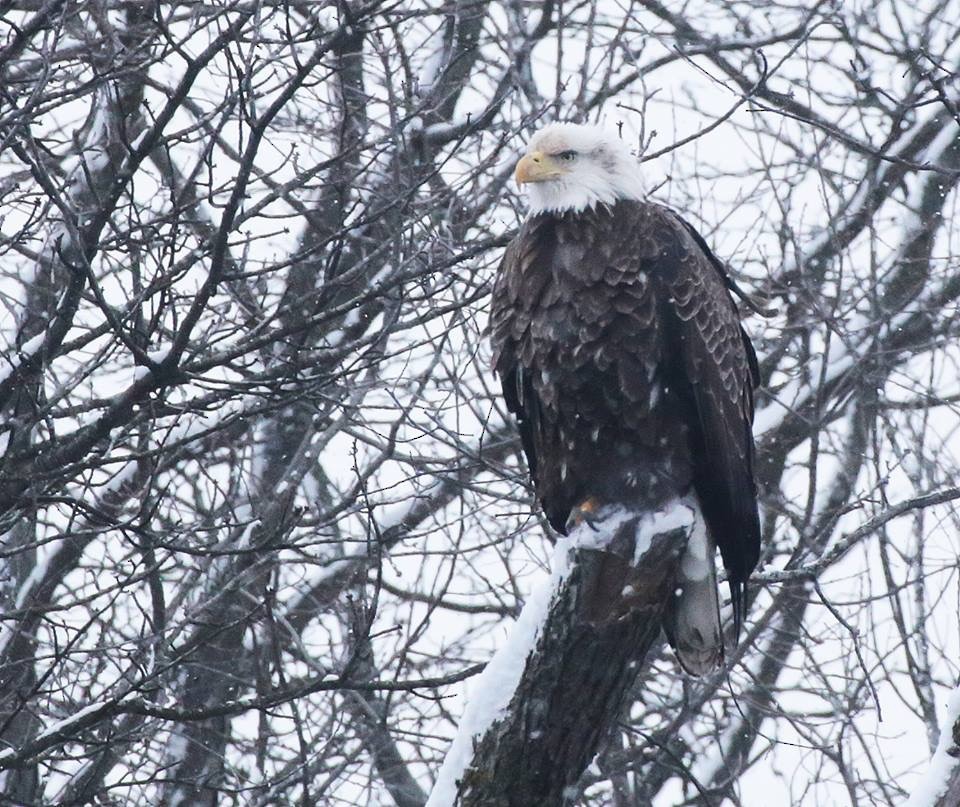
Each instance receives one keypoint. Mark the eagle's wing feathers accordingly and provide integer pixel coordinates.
(718, 367)
(510, 319)
(721, 270)
(522, 401)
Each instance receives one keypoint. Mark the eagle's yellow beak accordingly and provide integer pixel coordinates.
(537, 167)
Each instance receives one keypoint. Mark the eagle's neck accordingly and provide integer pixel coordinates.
(585, 191)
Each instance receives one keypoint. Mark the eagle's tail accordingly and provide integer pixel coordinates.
(692, 620)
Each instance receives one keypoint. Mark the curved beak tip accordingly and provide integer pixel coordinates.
(522, 172)
(533, 167)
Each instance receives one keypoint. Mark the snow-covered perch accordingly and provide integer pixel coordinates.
(940, 786)
(550, 694)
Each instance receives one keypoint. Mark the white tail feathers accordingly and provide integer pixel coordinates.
(692, 620)
(692, 625)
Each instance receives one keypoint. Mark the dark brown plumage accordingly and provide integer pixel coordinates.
(621, 354)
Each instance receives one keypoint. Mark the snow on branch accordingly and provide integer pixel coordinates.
(604, 601)
(940, 786)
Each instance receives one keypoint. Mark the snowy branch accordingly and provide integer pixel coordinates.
(580, 639)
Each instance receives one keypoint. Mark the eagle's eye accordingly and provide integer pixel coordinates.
(567, 156)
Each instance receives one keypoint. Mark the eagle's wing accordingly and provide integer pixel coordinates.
(718, 369)
(522, 401)
(509, 319)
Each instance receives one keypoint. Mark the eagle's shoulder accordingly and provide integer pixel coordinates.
(519, 281)
(527, 249)
(640, 232)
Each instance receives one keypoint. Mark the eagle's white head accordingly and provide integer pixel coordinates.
(573, 167)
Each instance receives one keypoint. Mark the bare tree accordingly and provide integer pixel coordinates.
(264, 516)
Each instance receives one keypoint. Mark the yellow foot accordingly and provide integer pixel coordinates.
(587, 512)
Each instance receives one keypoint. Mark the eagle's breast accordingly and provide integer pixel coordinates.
(592, 333)
(580, 307)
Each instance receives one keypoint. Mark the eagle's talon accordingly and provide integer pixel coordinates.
(587, 512)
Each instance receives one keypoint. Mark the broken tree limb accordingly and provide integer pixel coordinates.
(549, 697)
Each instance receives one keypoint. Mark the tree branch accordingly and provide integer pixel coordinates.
(601, 620)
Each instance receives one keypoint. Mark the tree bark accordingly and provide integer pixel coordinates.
(600, 626)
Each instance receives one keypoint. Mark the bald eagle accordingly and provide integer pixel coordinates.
(621, 354)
